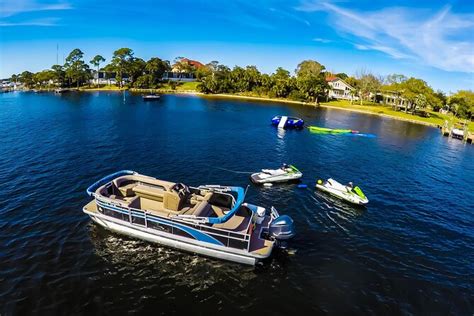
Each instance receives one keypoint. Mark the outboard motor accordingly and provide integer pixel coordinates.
(282, 228)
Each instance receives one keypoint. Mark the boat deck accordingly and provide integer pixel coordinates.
(91, 207)
(259, 246)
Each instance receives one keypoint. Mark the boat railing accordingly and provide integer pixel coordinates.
(131, 212)
(91, 189)
(274, 213)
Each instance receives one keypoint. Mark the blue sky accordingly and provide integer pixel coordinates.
(432, 40)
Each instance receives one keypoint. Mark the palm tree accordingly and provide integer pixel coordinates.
(96, 62)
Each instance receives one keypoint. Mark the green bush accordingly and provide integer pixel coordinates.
(296, 95)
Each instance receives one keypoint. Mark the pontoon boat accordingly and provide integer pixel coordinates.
(211, 220)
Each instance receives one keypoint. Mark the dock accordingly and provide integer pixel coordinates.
(461, 132)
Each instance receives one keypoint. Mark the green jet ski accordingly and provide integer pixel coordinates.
(347, 193)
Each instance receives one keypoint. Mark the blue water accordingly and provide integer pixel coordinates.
(410, 252)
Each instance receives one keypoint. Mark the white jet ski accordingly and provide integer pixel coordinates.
(283, 174)
(347, 193)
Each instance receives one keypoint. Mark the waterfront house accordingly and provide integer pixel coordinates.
(106, 78)
(183, 70)
(339, 89)
(394, 99)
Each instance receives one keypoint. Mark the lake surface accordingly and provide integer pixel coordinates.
(410, 252)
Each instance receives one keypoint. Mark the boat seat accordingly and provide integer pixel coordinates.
(171, 201)
(195, 199)
(149, 205)
(148, 192)
(127, 191)
(202, 209)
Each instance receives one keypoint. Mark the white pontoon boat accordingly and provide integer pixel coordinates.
(211, 220)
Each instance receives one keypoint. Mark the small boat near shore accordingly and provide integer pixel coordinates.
(347, 193)
(151, 97)
(325, 130)
(61, 90)
(457, 133)
(210, 220)
(285, 173)
(287, 122)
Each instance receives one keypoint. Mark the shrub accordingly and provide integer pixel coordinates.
(296, 95)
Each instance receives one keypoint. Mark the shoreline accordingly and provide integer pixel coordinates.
(352, 108)
(322, 105)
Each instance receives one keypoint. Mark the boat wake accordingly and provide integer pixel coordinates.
(361, 135)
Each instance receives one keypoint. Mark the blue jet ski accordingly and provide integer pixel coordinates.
(287, 122)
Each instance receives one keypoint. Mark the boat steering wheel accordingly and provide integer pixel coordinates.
(181, 189)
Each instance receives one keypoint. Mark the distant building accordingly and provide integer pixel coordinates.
(180, 71)
(177, 67)
(106, 78)
(394, 99)
(339, 89)
(178, 76)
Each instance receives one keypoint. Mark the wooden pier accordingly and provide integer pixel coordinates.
(447, 131)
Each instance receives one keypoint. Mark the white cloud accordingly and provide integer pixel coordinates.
(321, 40)
(37, 22)
(14, 7)
(441, 39)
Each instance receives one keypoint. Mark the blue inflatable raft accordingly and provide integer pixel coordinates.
(287, 122)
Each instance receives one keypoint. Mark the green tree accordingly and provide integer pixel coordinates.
(413, 87)
(156, 68)
(462, 102)
(59, 74)
(395, 79)
(77, 71)
(421, 101)
(43, 78)
(26, 78)
(121, 62)
(144, 81)
(203, 72)
(136, 68)
(368, 85)
(14, 78)
(96, 61)
(342, 75)
(281, 83)
(311, 81)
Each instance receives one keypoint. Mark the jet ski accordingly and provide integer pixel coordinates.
(287, 122)
(347, 193)
(283, 174)
(325, 130)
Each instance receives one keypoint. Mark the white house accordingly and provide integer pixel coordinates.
(106, 78)
(339, 89)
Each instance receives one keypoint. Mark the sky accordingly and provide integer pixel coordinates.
(431, 40)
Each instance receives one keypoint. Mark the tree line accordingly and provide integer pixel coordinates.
(308, 83)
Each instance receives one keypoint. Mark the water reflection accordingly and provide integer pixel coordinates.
(135, 258)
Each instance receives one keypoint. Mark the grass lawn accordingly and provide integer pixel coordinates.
(182, 86)
(434, 119)
(102, 88)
